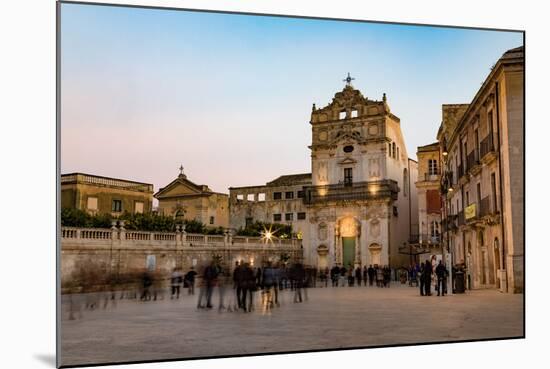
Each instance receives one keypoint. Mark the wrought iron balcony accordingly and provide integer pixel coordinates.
(472, 160)
(460, 170)
(372, 190)
(450, 223)
(460, 218)
(425, 239)
(486, 207)
(487, 146)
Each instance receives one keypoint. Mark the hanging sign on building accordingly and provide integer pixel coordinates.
(470, 212)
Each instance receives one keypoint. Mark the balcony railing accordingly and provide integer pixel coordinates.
(431, 177)
(472, 160)
(425, 238)
(486, 146)
(460, 170)
(450, 223)
(486, 207)
(460, 218)
(356, 191)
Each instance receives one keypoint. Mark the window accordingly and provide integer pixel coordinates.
(248, 222)
(476, 136)
(432, 167)
(92, 203)
(348, 149)
(405, 182)
(289, 217)
(434, 230)
(289, 195)
(398, 157)
(117, 206)
(261, 197)
(277, 195)
(250, 197)
(211, 220)
(348, 176)
(389, 149)
(276, 217)
(300, 194)
(493, 193)
(301, 216)
(467, 198)
(240, 197)
(478, 194)
(393, 150)
(342, 115)
(138, 207)
(354, 113)
(490, 122)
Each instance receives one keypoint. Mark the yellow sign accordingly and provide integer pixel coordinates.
(470, 212)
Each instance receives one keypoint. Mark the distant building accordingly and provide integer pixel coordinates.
(357, 206)
(105, 195)
(428, 235)
(184, 199)
(482, 179)
(278, 201)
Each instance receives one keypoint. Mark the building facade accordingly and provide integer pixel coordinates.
(104, 195)
(279, 201)
(184, 199)
(356, 206)
(427, 238)
(482, 179)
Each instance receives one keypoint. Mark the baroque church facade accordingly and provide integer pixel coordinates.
(357, 206)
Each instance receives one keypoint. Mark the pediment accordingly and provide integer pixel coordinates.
(347, 161)
(179, 187)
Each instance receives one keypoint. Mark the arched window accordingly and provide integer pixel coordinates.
(389, 149)
(405, 182)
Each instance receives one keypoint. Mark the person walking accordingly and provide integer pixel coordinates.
(343, 275)
(358, 275)
(189, 279)
(441, 273)
(421, 279)
(175, 282)
(210, 277)
(379, 277)
(372, 274)
(334, 275)
(428, 277)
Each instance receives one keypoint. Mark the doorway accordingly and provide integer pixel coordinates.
(348, 251)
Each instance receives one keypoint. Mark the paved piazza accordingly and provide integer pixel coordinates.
(330, 318)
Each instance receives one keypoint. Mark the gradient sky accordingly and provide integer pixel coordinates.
(230, 96)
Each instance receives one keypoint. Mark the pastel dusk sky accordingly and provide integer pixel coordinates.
(229, 96)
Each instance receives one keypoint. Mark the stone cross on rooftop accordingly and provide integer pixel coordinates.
(348, 80)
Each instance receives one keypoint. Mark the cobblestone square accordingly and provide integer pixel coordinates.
(339, 317)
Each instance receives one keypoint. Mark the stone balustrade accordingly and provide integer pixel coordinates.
(116, 235)
(121, 251)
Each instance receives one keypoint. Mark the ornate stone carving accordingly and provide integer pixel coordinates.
(323, 232)
(375, 228)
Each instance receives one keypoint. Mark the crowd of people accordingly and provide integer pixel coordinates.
(237, 288)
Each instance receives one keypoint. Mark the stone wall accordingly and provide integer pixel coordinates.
(118, 251)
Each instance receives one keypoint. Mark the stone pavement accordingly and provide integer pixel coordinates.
(331, 318)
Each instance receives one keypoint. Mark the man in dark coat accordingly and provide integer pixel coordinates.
(238, 283)
(372, 273)
(441, 273)
(358, 275)
(421, 278)
(427, 275)
(334, 275)
(210, 277)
